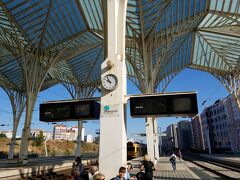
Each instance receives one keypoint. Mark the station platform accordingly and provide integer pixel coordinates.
(185, 170)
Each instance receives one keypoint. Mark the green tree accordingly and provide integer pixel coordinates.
(40, 138)
(2, 135)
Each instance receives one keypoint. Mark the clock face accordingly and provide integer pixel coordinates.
(110, 82)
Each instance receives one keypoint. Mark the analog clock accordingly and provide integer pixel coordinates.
(110, 82)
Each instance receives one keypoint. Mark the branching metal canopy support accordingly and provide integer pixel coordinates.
(17, 100)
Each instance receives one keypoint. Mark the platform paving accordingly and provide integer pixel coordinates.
(184, 171)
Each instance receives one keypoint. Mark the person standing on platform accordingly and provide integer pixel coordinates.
(173, 161)
(141, 174)
(180, 155)
(149, 167)
(77, 168)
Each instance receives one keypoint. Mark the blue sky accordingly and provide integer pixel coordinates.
(208, 87)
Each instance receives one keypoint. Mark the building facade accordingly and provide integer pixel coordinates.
(197, 133)
(184, 135)
(7, 133)
(48, 135)
(75, 128)
(215, 127)
(59, 132)
(70, 135)
(35, 132)
(170, 141)
(233, 121)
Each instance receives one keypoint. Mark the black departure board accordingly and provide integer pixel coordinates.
(172, 104)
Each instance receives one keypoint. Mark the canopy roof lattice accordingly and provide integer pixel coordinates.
(200, 34)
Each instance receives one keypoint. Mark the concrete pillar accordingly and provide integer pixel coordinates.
(152, 126)
(150, 137)
(113, 140)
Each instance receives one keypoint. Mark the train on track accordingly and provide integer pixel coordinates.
(135, 149)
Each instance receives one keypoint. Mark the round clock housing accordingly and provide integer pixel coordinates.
(110, 82)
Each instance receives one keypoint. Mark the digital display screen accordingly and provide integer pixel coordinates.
(57, 112)
(70, 110)
(82, 110)
(182, 105)
(160, 106)
(174, 104)
(151, 106)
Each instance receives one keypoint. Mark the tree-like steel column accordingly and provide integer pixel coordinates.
(113, 141)
(30, 102)
(35, 66)
(232, 83)
(34, 59)
(78, 150)
(17, 100)
(151, 122)
(34, 74)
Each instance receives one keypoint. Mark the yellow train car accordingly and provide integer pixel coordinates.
(135, 150)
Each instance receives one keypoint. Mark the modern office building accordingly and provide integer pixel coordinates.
(184, 135)
(233, 121)
(170, 141)
(197, 133)
(215, 127)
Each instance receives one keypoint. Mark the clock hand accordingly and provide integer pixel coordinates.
(108, 80)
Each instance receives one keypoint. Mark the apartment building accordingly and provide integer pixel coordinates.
(197, 133)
